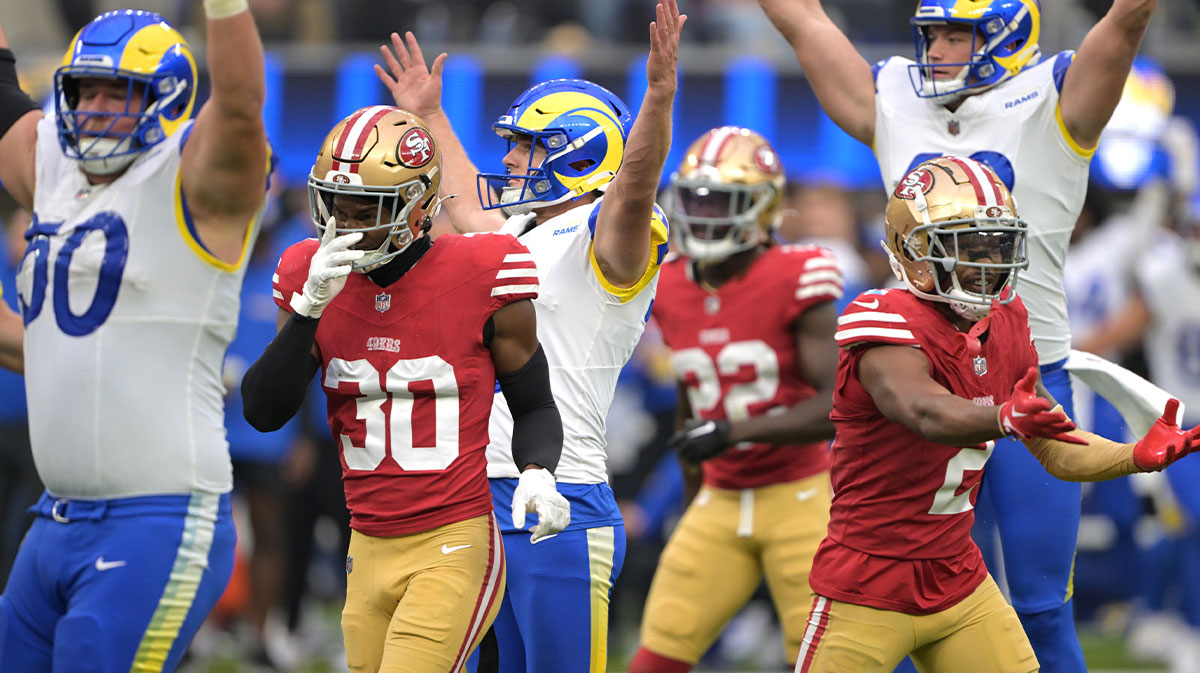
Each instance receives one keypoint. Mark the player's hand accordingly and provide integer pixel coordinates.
(327, 271)
(664, 45)
(1165, 443)
(1026, 416)
(700, 440)
(536, 493)
(415, 88)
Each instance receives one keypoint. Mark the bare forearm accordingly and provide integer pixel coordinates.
(1133, 16)
(1099, 460)
(459, 179)
(12, 340)
(645, 152)
(802, 424)
(235, 64)
(952, 420)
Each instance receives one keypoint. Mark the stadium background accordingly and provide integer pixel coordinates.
(734, 70)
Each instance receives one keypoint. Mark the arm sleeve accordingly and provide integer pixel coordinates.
(274, 386)
(537, 427)
(1100, 460)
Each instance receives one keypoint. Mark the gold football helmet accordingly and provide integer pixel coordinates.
(953, 235)
(724, 198)
(382, 153)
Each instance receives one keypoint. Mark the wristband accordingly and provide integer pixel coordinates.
(222, 9)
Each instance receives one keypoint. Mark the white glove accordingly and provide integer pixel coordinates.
(536, 493)
(327, 271)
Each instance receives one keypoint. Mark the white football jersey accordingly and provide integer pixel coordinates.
(588, 330)
(1170, 285)
(1016, 128)
(128, 318)
(1099, 273)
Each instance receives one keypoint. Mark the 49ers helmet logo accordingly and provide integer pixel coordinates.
(415, 148)
(919, 179)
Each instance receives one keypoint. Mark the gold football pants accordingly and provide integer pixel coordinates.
(725, 543)
(421, 603)
(979, 635)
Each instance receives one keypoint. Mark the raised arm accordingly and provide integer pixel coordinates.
(1096, 78)
(224, 163)
(838, 74)
(417, 88)
(19, 117)
(621, 243)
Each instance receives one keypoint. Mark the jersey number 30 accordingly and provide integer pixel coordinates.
(397, 384)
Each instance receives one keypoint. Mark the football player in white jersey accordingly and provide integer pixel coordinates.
(597, 261)
(980, 88)
(143, 220)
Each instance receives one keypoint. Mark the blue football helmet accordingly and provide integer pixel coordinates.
(583, 128)
(1131, 152)
(1004, 42)
(153, 60)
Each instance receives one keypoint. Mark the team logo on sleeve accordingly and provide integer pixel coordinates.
(920, 179)
(415, 148)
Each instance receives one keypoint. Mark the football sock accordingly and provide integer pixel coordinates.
(646, 661)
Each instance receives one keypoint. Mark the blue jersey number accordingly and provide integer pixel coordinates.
(116, 253)
(996, 161)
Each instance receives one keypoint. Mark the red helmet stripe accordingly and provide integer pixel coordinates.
(985, 189)
(358, 129)
(717, 140)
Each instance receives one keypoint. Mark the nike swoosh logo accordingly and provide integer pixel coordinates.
(806, 494)
(103, 565)
(874, 303)
(701, 430)
(446, 549)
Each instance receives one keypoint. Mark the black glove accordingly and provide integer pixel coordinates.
(700, 440)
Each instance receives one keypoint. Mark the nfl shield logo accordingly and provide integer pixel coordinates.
(349, 564)
(712, 305)
(980, 365)
(953, 127)
(383, 301)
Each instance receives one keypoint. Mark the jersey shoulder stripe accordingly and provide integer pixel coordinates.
(875, 317)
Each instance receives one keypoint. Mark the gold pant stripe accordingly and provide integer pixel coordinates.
(483, 607)
(601, 548)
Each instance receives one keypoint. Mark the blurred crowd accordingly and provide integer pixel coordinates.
(736, 23)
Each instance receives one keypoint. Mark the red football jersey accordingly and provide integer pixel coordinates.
(735, 350)
(408, 380)
(899, 530)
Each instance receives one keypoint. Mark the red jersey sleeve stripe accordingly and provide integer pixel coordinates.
(821, 262)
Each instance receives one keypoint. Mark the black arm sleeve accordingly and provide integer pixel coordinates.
(274, 386)
(14, 103)
(537, 427)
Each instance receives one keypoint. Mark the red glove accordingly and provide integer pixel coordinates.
(1026, 416)
(1165, 443)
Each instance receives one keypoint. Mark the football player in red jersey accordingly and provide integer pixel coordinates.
(927, 378)
(411, 347)
(750, 326)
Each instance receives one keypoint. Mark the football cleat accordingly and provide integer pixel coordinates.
(953, 235)
(155, 63)
(725, 196)
(385, 154)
